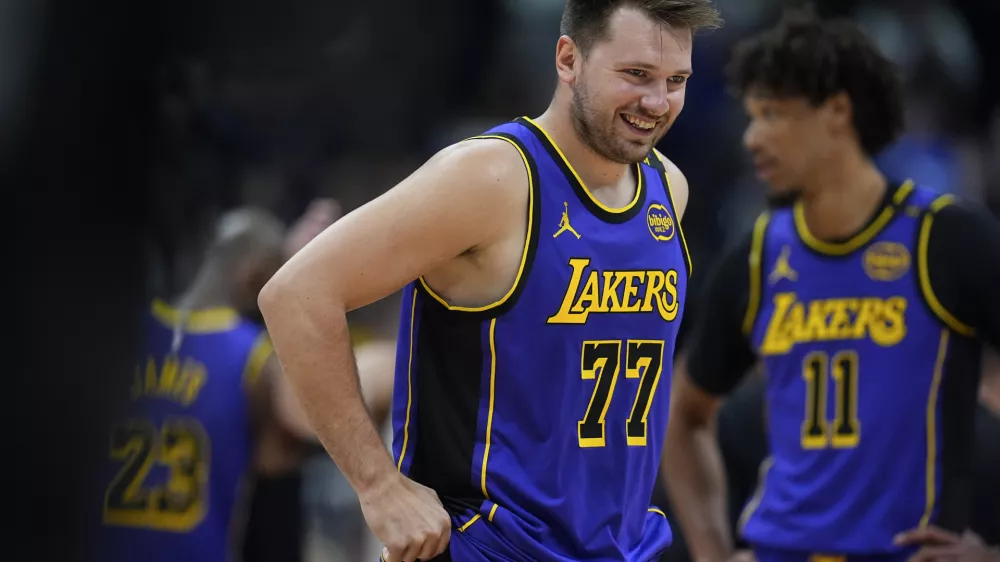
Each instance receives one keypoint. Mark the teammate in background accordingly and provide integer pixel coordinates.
(867, 301)
(533, 366)
(210, 407)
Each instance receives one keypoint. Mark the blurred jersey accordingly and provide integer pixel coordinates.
(175, 476)
(539, 419)
(855, 347)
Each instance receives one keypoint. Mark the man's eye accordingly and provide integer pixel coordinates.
(636, 72)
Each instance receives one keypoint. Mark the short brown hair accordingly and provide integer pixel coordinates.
(586, 21)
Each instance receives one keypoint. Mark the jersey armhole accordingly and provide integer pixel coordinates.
(530, 238)
(754, 259)
(259, 353)
(923, 271)
(655, 159)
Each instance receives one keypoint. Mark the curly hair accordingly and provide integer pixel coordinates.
(804, 56)
(586, 21)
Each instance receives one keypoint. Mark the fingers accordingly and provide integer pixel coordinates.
(444, 535)
(926, 535)
(421, 545)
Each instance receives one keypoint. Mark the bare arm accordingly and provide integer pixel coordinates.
(713, 364)
(457, 201)
(375, 370)
(694, 472)
(285, 409)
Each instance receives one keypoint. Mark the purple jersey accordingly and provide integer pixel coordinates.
(539, 419)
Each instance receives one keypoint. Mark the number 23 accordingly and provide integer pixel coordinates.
(600, 360)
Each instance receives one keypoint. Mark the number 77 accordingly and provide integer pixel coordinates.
(601, 360)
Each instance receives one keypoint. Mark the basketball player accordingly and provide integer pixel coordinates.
(209, 406)
(545, 273)
(867, 301)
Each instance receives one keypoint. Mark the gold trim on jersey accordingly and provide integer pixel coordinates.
(489, 414)
(409, 383)
(932, 401)
(590, 195)
(923, 274)
(519, 278)
(469, 523)
(256, 359)
(754, 262)
(204, 321)
(670, 196)
(859, 239)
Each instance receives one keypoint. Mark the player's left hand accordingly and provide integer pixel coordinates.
(320, 214)
(939, 545)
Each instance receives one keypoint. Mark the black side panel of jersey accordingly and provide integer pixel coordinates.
(448, 380)
(959, 392)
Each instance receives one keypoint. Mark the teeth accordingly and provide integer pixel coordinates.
(642, 124)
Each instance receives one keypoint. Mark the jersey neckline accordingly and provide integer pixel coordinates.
(878, 222)
(598, 209)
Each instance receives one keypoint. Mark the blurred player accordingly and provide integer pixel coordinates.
(209, 405)
(867, 301)
(545, 275)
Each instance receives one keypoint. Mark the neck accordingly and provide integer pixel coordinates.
(595, 170)
(842, 195)
(207, 291)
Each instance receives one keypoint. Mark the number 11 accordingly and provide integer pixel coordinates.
(846, 432)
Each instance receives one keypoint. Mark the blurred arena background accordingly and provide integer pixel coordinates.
(128, 127)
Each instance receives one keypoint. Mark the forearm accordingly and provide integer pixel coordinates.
(312, 342)
(695, 481)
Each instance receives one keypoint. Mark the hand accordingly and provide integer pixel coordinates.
(407, 518)
(320, 214)
(940, 545)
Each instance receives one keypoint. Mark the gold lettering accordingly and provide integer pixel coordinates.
(590, 295)
(168, 375)
(794, 321)
(668, 311)
(776, 338)
(622, 292)
(611, 283)
(653, 291)
(194, 379)
(631, 290)
(890, 328)
(181, 384)
(564, 316)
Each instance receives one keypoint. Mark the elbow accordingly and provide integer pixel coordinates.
(271, 295)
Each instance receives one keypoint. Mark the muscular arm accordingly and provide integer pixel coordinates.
(375, 362)
(963, 258)
(714, 363)
(459, 200)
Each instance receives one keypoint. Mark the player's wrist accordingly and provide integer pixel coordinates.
(376, 478)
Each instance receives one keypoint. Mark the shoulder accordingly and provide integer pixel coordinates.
(465, 184)
(481, 162)
(959, 218)
(679, 191)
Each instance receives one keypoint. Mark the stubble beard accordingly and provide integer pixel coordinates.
(587, 123)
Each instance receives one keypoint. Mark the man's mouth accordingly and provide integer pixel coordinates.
(638, 124)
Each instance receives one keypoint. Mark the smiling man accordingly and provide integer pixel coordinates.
(545, 273)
